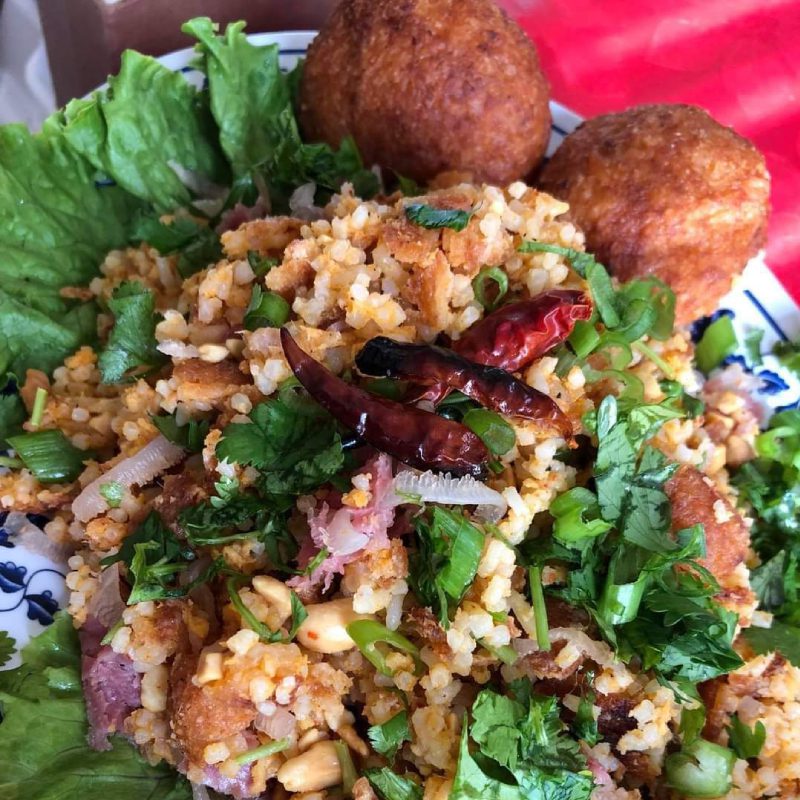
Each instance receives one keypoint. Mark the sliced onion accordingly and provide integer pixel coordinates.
(431, 487)
(34, 539)
(106, 604)
(599, 652)
(278, 725)
(340, 537)
(138, 470)
(301, 203)
(525, 647)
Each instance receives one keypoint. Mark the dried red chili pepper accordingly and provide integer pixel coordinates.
(492, 387)
(516, 334)
(413, 436)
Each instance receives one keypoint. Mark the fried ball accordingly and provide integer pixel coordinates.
(427, 86)
(665, 190)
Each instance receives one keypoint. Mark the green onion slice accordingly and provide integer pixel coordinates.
(367, 634)
(495, 432)
(269, 749)
(480, 287)
(539, 608)
(349, 774)
(49, 455)
(701, 769)
(718, 342)
(39, 403)
(266, 310)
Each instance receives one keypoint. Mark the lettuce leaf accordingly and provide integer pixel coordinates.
(56, 225)
(251, 102)
(149, 123)
(43, 749)
(247, 91)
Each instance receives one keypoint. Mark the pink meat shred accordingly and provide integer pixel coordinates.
(346, 532)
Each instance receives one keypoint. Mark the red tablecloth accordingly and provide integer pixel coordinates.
(739, 59)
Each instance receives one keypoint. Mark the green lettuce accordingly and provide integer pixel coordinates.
(43, 749)
(251, 102)
(148, 126)
(56, 225)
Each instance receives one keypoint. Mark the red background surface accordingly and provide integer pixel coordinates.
(739, 59)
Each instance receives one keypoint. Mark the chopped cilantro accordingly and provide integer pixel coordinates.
(293, 443)
(156, 557)
(779, 636)
(131, 347)
(431, 217)
(752, 346)
(191, 435)
(391, 786)
(388, 737)
(525, 752)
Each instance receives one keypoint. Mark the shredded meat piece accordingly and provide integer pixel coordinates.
(179, 491)
(615, 720)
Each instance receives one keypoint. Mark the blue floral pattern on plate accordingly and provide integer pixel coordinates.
(35, 587)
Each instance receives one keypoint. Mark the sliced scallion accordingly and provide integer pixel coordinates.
(701, 769)
(49, 455)
(493, 430)
(539, 608)
(266, 310)
(480, 285)
(349, 774)
(269, 749)
(367, 634)
(717, 342)
(112, 492)
(39, 403)
(584, 338)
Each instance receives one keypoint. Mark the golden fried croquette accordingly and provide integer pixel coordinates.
(665, 190)
(427, 86)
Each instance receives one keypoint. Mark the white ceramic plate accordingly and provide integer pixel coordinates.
(32, 587)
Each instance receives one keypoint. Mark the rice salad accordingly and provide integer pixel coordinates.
(392, 492)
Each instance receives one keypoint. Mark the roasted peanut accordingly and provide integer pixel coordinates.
(317, 768)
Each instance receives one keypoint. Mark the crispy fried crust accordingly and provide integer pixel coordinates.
(427, 86)
(665, 190)
(695, 500)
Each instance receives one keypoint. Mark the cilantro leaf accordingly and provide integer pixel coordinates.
(388, 737)
(198, 245)
(294, 444)
(191, 436)
(746, 742)
(7, 648)
(525, 751)
(266, 310)
(131, 346)
(391, 786)
(43, 707)
(431, 217)
(149, 148)
(155, 557)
